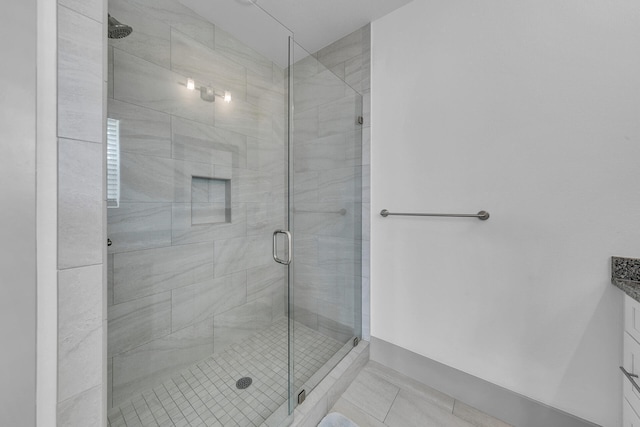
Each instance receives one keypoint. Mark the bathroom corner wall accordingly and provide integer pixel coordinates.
(18, 216)
(350, 59)
(81, 211)
(190, 272)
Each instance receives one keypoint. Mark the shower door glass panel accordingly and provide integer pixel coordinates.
(325, 218)
(197, 315)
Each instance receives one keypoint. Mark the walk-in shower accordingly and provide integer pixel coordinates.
(205, 328)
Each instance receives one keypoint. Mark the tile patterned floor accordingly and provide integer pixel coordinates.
(382, 397)
(205, 394)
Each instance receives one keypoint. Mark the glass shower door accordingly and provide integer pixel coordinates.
(325, 218)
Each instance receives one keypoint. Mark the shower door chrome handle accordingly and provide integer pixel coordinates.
(275, 247)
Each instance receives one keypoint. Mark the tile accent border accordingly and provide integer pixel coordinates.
(492, 399)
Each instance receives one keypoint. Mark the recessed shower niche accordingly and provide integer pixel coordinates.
(210, 200)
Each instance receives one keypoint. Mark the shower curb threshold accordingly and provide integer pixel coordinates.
(326, 393)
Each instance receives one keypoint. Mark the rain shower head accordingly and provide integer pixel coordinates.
(118, 30)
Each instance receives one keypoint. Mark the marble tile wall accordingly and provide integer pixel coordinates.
(81, 207)
(190, 268)
(331, 179)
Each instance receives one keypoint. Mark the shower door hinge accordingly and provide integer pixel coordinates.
(360, 120)
(356, 341)
(302, 396)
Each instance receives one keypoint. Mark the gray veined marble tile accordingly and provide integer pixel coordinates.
(355, 414)
(135, 226)
(137, 322)
(84, 409)
(185, 231)
(151, 271)
(305, 65)
(340, 184)
(248, 186)
(147, 365)
(305, 125)
(110, 72)
(340, 115)
(146, 178)
(207, 67)
(143, 83)
(183, 174)
(80, 79)
(90, 8)
(321, 154)
(353, 72)
(195, 303)
(80, 203)
(179, 17)
(142, 131)
(80, 334)
(305, 187)
(242, 54)
(240, 253)
(150, 39)
(262, 280)
(209, 213)
(265, 155)
(234, 325)
(342, 50)
(373, 394)
(266, 95)
(319, 90)
(341, 254)
(244, 118)
(200, 142)
(323, 219)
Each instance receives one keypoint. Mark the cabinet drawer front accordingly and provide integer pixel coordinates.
(632, 317)
(629, 416)
(631, 362)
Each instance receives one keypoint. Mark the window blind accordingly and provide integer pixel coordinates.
(113, 163)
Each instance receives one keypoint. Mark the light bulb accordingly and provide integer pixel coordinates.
(227, 96)
(191, 85)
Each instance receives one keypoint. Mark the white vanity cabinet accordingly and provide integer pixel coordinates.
(631, 363)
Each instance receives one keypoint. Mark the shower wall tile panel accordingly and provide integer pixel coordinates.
(145, 366)
(207, 67)
(239, 323)
(79, 330)
(135, 226)
(137, 322)
(142, 131)
(84, 409)
(90, 8)
(148, 41)
(174, 14)
(80, 203)
(143, 83)
(79, 76)
(81, 82)
(343, 50)
(152, 271)
(200, 301)
(242, 54)
(172, 277)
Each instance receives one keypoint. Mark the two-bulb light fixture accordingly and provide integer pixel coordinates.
(207, 93)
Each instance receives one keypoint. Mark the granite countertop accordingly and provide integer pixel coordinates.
(625, 274)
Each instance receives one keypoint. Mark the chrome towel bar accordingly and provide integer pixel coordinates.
(482, 215)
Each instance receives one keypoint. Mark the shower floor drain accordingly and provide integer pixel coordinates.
(243, 383)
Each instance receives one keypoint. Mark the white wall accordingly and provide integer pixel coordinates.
(18, 215)
(530, 110)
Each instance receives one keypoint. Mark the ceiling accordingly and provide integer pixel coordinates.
(265, 25)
